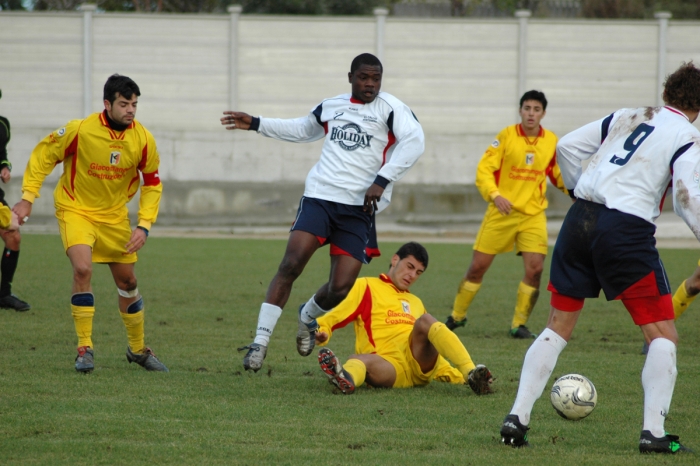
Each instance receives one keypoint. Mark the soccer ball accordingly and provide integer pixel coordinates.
(573, 396)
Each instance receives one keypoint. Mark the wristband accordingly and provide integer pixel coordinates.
(144, 229)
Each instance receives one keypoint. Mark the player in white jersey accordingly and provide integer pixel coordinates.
(371, 140)
(607, 241)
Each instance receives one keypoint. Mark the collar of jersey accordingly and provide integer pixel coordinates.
(671, 109)
(521, 131)
(385, 278)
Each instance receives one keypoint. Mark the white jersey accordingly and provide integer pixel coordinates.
(635, 155)
(363, 141)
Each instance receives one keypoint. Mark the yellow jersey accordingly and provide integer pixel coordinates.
(517, 167)
(101, 168)
(382, 314)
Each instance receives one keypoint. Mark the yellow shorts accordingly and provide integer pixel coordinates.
(108, 242)
(408, 371)
(498, 233)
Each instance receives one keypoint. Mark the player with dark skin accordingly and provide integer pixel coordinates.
(366, 82)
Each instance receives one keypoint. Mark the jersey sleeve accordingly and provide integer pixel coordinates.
(152, 188)
(346, 312)
(579, 145)
(489, 167)
(410, 144)
(46, 155)
(686, 188)
(4, 139)
(554, 174)
(305, 129)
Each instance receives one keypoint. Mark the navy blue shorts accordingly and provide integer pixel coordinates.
(604, 248)
(348, 229)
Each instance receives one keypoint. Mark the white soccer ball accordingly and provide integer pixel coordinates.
(573, 396)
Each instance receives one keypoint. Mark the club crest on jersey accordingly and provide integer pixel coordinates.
(114, 158)
(61, 132)
(350, 137)
(529, 158)
(406, 307)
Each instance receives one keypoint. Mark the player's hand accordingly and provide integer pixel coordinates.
(23, 209)
(503, 205)
(373, 194)
(5, 174)
(137, 240)
(236, 120)
(321, 338)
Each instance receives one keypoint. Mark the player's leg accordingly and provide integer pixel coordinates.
(430, 338)
(132, 312)
(352, 243)
(496, 235)
(359, 368)
(528, 292)
(8, 266)
(686, 293)
(82, 304)
(531, 243)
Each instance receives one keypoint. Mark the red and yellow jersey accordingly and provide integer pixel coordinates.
(100, 170)
(382, 314)
(517, 167)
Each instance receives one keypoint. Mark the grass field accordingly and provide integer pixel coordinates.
(202, 297)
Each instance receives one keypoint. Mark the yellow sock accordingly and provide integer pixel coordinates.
(450, 347)
(82, 317)
(527, 297)
(134, 330)
(357, 371)
(681, 300)
(465, 295)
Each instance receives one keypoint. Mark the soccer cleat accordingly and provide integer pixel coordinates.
(334, 371)
(13, 302)
(513, 433)
(147, 360)
(522, 332)
(645, 348)
(666, 444)
(306, 335)
(255, 356)
(480, 380)
(452, 324)
(85, 361)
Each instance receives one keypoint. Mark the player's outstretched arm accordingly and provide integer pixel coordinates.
(236, 120)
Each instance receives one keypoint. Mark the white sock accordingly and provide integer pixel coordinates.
(311, 311)
(267, 319)
(658, 380)
(537, 367)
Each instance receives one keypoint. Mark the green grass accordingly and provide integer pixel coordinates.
(202, 298)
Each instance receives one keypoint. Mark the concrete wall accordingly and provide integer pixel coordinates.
(460, 76)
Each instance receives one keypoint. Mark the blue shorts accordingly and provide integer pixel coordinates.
(347, 228)
(604, 248)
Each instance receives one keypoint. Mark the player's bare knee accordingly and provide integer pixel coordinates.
(12, 240)
(423, 324)
(290, 268)
(692, 285)
(127, 284)
(82, 272)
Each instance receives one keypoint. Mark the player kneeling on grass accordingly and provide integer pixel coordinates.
(104, 157)
(398, 344)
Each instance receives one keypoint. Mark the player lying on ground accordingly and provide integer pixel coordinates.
(398, 344)
(512, 177)
(607, 241)
(371, 139)
(104, 157)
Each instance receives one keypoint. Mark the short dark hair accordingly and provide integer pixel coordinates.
(416, 250)
(682, 88)
(365, 59)
(534, 95)
(123, 85)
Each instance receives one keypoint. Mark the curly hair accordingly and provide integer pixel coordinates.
(682, 88)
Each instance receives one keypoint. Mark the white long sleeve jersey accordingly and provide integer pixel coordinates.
(635, 155)
(362, 141)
